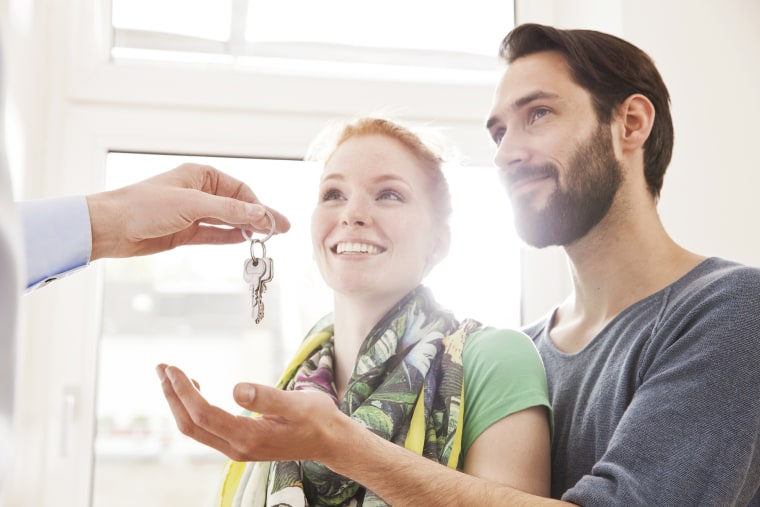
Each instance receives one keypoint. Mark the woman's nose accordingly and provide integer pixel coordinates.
(355, 214)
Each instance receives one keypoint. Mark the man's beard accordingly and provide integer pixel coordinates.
(594, 176)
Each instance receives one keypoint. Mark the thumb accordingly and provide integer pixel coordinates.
(261, 399)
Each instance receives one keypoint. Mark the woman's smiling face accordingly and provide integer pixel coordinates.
(374, 231)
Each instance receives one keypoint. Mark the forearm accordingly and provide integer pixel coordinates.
(105, 223)
(306, 425)
(403, 478)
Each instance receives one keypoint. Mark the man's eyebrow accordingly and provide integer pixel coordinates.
(522, 102)
(527, 99)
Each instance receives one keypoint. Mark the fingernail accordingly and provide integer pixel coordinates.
(170, 373)
(254, 210)
(245, 393)
(160, 372)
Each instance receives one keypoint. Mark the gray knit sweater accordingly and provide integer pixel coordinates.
(662, 407)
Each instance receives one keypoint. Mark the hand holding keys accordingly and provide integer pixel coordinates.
(258, 271)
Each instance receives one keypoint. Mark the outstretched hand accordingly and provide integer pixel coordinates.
(189, 205)
(292, 425)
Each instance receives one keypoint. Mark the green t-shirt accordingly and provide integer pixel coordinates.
(503, 374)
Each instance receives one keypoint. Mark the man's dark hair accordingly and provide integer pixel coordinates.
(611, 70)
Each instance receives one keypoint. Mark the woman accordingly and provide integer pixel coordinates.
(388, 355)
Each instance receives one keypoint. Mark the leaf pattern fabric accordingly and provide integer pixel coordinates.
(415, 350)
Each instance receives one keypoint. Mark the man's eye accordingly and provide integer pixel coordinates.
(497, 136)
(538, 113)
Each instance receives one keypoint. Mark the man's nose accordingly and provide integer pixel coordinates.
(511, 151)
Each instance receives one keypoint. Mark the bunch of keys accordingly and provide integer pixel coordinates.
(258, 271)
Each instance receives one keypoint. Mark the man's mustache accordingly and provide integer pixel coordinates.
(527, 171)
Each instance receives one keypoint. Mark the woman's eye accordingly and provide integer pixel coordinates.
(390, 195)
(331, 195)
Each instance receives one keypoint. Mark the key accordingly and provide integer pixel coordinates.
(254, 270)
(260, 307)
(258, 272)
(265, 278)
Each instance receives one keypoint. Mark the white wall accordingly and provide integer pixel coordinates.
(708, 52)
(709, 56)
(27, 67)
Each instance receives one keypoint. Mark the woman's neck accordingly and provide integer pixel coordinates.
(354, 318)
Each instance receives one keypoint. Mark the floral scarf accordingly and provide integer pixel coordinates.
(406, 387)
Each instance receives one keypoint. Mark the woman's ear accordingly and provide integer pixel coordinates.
(442, 247)
(636, 115)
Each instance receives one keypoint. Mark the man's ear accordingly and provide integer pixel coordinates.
(636, 114)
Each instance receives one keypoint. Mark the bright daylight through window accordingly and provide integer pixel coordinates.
(442, 34)
(191, 308)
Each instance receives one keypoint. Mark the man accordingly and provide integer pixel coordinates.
(652, 360)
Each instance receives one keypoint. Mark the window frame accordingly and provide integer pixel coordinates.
(347, 58)
(95, 78)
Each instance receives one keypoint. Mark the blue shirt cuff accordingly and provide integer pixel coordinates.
(57, 237)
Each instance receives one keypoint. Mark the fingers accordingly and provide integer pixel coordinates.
(191, 411)
(292, 425)
(236, 204)
(210, 235)
(175, 208)
(281, 223)
(241, 438)
(210, 208)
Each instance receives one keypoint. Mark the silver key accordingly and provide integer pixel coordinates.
(254, 270)
(258, 271)
(266, 277)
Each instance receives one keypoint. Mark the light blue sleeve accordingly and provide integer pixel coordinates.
(57, 238)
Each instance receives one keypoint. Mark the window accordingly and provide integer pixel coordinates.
(112, 109)
(415, 36)
(190, 307)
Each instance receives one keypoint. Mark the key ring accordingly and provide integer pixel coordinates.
(271, 229)
(255, 259)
